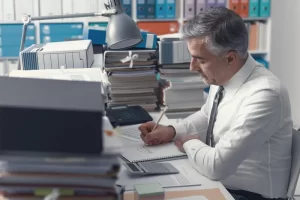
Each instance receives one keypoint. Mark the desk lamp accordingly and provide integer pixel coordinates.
(122, 32)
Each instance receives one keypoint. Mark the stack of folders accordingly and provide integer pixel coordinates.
(184, 94)
(29, 57)
(173, 50)
(63, 178)
(57, 55)
(132, 77)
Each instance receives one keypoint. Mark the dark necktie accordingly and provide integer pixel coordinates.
(212, 119)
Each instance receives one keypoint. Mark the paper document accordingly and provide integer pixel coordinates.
(130, 132)
(191, 175)
(187, 177)
(166, 181)
(161, 152)
(198, 197)
(111, 142)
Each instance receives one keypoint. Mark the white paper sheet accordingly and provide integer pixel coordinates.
(130, 132)
(187, 176)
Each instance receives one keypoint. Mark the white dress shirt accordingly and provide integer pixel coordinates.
(252, 132)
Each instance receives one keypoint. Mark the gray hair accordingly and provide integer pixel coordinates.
(223, 30)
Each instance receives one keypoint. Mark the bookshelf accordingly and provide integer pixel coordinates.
(46, 7)
(180, 19)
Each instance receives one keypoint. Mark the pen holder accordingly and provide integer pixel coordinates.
(153, 191)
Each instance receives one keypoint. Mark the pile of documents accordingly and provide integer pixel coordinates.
(184, 93)
(132, 76)
(63, 178)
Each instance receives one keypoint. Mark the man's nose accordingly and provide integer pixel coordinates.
(193, 64)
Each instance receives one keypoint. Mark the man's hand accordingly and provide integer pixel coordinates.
(179, 143)
(161, 134)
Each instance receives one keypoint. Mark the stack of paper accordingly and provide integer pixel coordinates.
(185, 93)
(73, 178)
(132, 77)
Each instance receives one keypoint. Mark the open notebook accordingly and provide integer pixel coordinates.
(143, 153)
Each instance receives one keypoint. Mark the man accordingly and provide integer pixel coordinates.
(242, 135)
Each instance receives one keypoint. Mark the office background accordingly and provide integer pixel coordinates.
(277, 36)
(274, 36)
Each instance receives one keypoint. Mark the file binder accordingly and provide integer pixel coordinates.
(262, 61)
(150, 9)
(160, 9)
(98, 37)
(221, 3)
(159, 27)
(8, 11)
(234, 5)
(264, 8)
(200, 6)
(25, 7)
(170, 12)
(253, 8)
(253, 36)
(140, 9)
(244, 8)
(127, 7)
(53, 8)
(210, 4)
(189, 9)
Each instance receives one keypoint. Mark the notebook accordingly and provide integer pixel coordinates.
(144, 153)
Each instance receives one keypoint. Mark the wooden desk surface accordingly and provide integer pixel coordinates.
(210, 194)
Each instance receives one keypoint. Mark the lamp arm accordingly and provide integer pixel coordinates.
(27, 19)
(105, 13)
(23, 38)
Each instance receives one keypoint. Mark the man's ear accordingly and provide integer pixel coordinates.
(231, 57)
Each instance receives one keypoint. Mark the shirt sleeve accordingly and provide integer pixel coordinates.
(257, 119)
(196, 123)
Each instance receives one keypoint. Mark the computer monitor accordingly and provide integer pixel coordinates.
(53, 117)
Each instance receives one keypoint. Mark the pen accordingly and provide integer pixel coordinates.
(161, 115)
(157, 122)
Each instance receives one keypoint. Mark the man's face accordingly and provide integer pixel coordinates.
(211, 68)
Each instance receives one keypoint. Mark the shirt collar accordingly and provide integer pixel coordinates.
(232, 86)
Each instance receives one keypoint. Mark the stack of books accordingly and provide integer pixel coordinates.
(132, 76)
(37, 178)
(184, 90)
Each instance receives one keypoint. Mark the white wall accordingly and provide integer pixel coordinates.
(285, 52)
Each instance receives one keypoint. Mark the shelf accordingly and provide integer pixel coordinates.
(251, 19)
(8, 58)
(258, 52)
(156, 20)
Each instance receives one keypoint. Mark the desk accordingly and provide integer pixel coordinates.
(212, 190)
